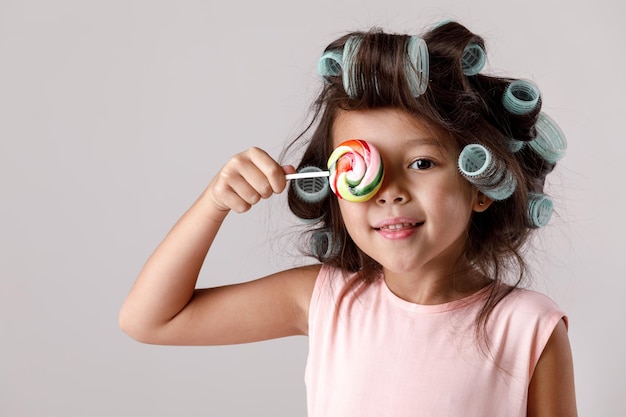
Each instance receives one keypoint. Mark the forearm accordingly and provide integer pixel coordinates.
(168, 279)
(167, 282)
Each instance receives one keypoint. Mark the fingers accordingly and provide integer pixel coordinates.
(247, 178)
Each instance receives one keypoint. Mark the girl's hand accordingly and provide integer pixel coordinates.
(247, 178)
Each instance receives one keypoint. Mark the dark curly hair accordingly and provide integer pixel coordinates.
(470, 108)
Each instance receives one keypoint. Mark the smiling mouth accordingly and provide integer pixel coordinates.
(399, 226)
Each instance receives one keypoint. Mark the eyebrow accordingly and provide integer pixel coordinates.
(437, 144)
(427, 141)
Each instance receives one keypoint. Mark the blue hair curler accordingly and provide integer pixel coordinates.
(350, 79)
(550, 142)
(310, 184)
(322, 244)
(473, 59)
(416, 65)
(330, 64)
(540, 209)
(521, 97)
(488, 174)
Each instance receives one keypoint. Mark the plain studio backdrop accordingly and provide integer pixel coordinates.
(115, 115)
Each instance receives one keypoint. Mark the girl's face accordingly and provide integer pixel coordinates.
(416, 224)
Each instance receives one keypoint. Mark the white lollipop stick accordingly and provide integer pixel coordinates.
(312, 174)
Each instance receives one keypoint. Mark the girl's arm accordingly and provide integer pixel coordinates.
(164, 307)
(551, 392)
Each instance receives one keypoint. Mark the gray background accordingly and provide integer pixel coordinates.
(114, 115)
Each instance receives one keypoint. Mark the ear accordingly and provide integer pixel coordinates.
(481, 202)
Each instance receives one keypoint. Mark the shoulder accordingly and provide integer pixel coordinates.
(333, 283)
(530, 303)
(300, 284)
(300, 281)
(529, 312)
(531, 297)
(526, 319)
(331, 287)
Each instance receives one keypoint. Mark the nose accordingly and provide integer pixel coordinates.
(392, 191)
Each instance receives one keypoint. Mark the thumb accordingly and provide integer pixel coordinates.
(289, 169)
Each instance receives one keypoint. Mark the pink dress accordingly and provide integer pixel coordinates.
(379, 355)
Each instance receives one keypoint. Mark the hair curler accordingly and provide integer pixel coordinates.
(521, 97)
(473, 59)
(540, 209)
(550, 142)
(330, 64)
(351, 80)
(416, 65)
(322, 244)
(310, 184)
(488, 174)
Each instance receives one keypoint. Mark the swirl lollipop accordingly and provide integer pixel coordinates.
(355, 169)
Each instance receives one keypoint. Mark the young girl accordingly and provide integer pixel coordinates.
(414, 308)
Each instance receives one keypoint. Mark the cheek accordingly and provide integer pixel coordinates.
(454, 201)
(352, 214)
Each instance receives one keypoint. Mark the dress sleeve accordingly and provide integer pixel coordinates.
(548, 316)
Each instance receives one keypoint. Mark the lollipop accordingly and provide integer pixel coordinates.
(355, 169)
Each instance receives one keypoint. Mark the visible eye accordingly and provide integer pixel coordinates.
(422, 164)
